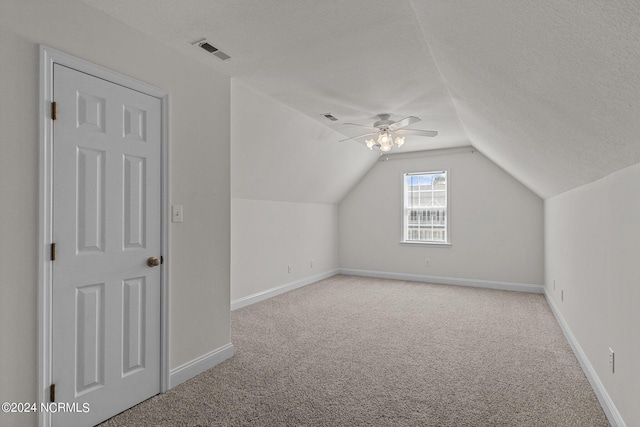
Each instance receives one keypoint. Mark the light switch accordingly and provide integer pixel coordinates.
(176, 213)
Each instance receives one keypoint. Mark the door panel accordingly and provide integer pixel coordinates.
(135, 195)
(90, 199)
(106, 223)
(133, 325)
(89, 340)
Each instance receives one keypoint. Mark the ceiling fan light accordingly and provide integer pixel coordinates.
(384, 138)
(388, 133)
(386, 144)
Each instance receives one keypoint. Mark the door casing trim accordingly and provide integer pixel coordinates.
(49, 57)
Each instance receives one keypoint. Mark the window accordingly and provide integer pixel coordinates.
(425, 212)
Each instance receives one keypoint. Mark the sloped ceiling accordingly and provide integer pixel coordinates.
(279, 154)
(550, 91)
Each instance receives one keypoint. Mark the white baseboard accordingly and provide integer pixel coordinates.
(261, 296)
(601, 393)
(490, 284)
(197, 366)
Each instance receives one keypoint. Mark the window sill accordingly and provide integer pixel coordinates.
(432, 244)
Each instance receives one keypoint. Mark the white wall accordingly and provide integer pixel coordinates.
(269, 236)
(496, 223)
(288, 172)
(592, 248)
(200, 180)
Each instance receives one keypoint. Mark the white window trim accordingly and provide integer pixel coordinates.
(446, 244)
(433, 244)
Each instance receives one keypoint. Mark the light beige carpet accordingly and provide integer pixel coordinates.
(353, 351)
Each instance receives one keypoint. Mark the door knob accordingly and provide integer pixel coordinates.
(153, 262)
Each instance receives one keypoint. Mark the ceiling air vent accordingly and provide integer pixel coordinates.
(212, 49)
(330, 117)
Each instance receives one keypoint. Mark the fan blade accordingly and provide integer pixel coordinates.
(359, 136)
(356, 124)
(404, 122)
(417, 132)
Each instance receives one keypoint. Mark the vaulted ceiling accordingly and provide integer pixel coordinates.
(550, 91)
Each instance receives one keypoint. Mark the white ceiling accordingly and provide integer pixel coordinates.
(550, 91)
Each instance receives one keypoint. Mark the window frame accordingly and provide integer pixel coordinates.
(404, 235)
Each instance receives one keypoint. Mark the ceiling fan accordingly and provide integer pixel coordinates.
(386, 132)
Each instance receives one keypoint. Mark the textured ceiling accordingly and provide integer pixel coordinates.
(550, 91)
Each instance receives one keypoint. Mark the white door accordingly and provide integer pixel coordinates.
(106, 225)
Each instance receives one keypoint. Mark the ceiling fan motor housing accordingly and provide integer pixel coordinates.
(384, 121)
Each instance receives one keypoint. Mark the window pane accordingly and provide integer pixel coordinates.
(415, 199)
(425, 201)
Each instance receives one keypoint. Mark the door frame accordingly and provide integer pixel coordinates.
(49, 57)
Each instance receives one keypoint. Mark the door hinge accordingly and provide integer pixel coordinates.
(52, 393)
(53, 252)
(54, 111)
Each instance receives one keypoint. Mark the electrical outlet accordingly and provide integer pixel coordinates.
(427, 262)
(612, 361)
(290, 269)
